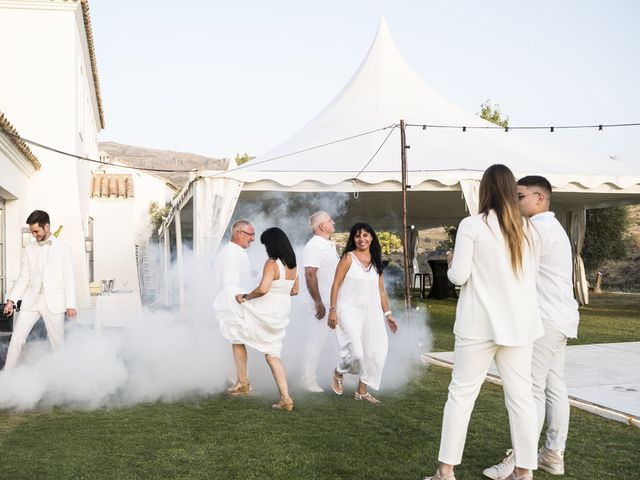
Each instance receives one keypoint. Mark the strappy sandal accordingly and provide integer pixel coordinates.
(240, 388)
(284, 406)
(367, 397)
(336, 382)
(440, 476)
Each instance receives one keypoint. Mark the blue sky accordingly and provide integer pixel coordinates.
(218, 77)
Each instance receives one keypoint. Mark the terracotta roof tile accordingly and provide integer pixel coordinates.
(111, 185)
(5, 125)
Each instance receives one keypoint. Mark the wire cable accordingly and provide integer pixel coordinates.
(376, 152)
(169, 170)
(266, 160)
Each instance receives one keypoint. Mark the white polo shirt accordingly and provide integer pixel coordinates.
(321, 254)
(558, 306)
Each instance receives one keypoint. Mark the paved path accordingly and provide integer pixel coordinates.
(602, 378)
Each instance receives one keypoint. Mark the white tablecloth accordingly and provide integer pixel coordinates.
(117, 309)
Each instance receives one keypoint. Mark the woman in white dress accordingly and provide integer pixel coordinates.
(359, 308)
(497, 318)
(259, 318)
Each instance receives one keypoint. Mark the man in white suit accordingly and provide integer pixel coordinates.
(45, 285)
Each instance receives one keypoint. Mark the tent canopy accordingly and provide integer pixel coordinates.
(347, 161)
(384, 90)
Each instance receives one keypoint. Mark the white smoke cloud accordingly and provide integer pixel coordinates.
(171, 355)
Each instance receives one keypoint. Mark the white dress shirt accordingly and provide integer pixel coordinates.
(558, 306)
(495, 303)
(231, 268)
(321, 254)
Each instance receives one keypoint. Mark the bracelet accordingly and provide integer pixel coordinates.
(244, 296)
(387, 313)
(332, 309)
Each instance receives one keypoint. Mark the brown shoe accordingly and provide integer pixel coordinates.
(336, 382)
(367, 397)
(240, 388)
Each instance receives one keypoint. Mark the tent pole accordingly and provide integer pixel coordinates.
(405, 232)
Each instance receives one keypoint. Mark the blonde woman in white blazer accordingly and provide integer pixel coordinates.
(497, 318)
(45, 286)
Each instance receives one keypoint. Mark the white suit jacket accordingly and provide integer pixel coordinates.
(56, 279)
(495, 304)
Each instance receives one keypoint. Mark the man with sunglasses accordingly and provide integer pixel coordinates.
(559, 311)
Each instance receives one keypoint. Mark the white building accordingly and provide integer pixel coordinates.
(49, 89)
(17, 164)
(119, 207)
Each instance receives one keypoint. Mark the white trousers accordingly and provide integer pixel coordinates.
(316, 332)
(472, 359)
(54, 322)
(550, 388)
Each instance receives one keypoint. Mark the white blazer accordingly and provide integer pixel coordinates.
(56, 279)
(494, 303)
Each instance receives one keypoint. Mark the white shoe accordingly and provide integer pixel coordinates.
(502, 469)
(312, 386)
(551, 461)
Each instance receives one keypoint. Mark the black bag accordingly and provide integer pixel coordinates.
(6, 321)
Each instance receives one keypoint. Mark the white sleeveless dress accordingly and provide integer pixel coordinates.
(361, 331)
(259, 323)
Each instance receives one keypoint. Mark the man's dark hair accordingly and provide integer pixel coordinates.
(38, 216)
(536, 181)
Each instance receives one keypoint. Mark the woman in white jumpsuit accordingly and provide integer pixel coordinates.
(359, 307)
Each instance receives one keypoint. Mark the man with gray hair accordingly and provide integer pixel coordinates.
(319, 259)
(231, 266)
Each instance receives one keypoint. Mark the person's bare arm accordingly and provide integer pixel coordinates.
(296, 287)
(268, 274)
(311, 276)
(384, 303)
(341, 272)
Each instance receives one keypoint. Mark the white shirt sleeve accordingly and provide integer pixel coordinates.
(463, 254)
(312, 255)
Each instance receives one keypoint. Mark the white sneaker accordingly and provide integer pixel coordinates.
(551, 461)
(503, 469)
(312, 386)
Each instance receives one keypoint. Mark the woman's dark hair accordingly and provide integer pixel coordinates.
(375, 249)
(278, 246)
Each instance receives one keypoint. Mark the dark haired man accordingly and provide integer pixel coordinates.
(45, 285)
(559, 311)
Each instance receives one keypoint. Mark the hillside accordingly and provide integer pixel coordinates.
(163, 159)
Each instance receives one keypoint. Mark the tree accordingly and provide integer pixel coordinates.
(493, 114)
(240, 159)
(389, 242)
(606, 237)
(157, 215)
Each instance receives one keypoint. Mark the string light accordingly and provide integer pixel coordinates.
(525, 127)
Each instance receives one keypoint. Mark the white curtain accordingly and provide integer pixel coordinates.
(577, 229)
(471, 194)
(413, 250)
(215, 200)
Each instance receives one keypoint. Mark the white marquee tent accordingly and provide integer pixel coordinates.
(353, 146)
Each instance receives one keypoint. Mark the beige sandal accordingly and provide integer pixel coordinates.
(240, 388)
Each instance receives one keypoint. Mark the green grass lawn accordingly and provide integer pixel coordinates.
(608, 318)
(326, 437)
